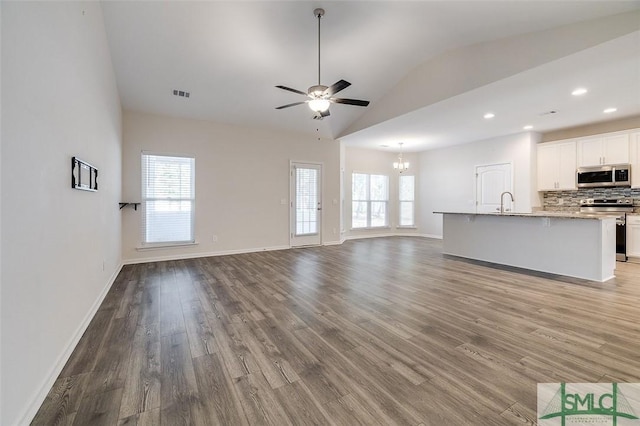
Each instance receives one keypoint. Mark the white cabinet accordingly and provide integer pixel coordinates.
(634, 151)
(633, 236)
(611, 149)
(557, 166)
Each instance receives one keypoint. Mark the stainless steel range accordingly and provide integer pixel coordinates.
(618, 207)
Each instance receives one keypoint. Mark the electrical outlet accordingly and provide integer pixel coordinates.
(214, 238)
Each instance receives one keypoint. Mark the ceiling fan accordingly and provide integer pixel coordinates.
(320, 96)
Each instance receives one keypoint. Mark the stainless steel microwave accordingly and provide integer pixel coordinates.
(604, 176)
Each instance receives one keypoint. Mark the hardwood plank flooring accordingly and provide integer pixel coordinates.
(375, 331)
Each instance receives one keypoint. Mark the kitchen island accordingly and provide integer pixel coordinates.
(571, 244)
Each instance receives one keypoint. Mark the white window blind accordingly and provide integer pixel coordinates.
(306, 201)
(370, 198)
(407, 200)
(168, 199)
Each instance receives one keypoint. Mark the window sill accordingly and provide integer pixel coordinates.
(370, 228)
(406, 227)
(161, 246)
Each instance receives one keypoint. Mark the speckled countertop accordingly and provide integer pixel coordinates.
(561, 215)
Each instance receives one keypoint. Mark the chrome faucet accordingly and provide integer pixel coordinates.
(502, 200)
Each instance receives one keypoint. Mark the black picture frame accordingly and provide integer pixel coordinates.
(83, 175)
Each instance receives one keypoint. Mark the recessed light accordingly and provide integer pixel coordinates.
(528, 127)
(489, 115)
(579, 91)
(610, 110)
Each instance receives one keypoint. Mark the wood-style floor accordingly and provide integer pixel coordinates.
(377, 331)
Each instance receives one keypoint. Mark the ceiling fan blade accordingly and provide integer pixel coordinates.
(336, 87)
(290, 105)
(292, 90)
(355, 102)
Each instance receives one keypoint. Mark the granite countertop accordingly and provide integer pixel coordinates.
(561, 215)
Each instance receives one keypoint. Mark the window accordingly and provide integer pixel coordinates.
(370, 197)
(407, 200)
(307, 200)
(168, 198)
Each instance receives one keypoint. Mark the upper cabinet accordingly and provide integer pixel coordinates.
(558, 161)
(599, 150)
(557, 166)
(634, 150)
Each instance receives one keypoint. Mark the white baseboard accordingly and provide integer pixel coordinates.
(55, 371)
(363, 236)
(198, 255)
(259, 249)
(437, 237)
(396, 234)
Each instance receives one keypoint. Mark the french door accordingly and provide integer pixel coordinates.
(306, 204)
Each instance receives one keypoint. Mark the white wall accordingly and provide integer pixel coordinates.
(242, 176)
(0, 215)
(447, 180)
(371, 161)
(60, 247)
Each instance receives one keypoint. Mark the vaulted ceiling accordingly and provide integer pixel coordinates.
(430, 69)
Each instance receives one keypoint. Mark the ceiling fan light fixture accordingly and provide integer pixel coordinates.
(322, 96)
(317, 91)
(319, 105)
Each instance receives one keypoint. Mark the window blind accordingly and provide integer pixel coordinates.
(168, 198)
(306, 201)
(407, 200)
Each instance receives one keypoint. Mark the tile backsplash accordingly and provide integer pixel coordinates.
(570, 200)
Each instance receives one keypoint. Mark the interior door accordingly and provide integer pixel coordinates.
(491, 181)
(306, 204)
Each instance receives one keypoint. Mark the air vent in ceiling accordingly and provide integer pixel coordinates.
(181, 93)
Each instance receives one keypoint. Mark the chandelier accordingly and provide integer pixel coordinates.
(401, 165)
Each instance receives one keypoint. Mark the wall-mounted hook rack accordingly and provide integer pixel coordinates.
(135, 205)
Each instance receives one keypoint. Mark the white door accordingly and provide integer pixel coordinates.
(491, 181)
(306, 204)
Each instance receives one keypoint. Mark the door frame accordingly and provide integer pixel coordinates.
(292, 186)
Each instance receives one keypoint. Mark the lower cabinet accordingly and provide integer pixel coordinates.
(633, 237)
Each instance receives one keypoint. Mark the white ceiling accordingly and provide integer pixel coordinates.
(230, 55)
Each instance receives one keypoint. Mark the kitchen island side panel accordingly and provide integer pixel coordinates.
(573, 247)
